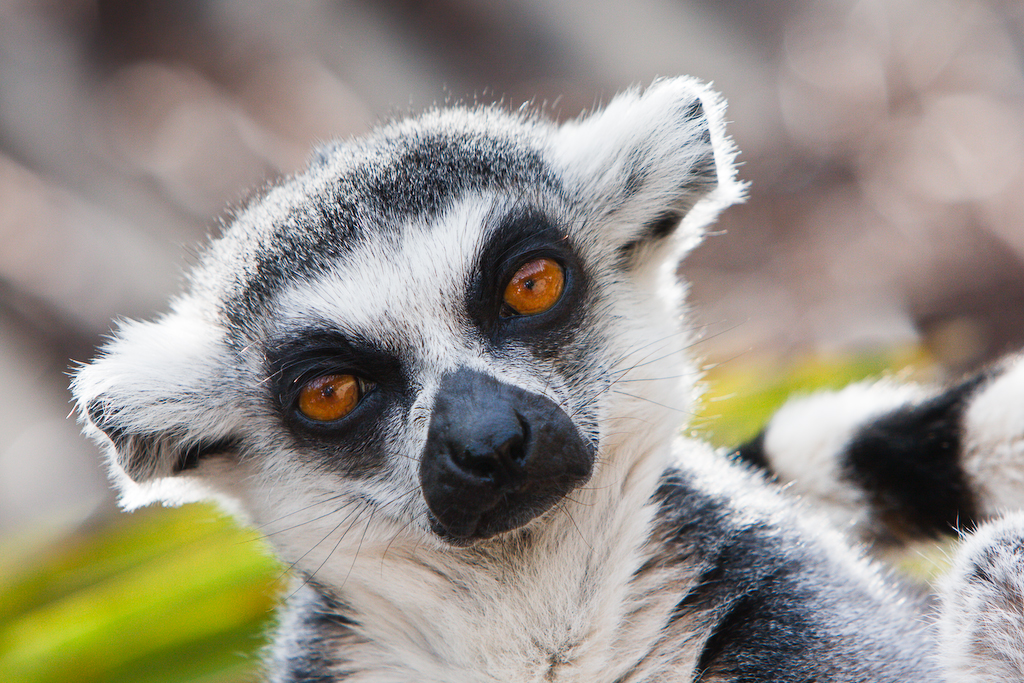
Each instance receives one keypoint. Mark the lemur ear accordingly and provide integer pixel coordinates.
(650, 161)
(155, 400)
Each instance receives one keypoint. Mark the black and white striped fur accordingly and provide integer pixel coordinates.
(649, 557)
(896, 463)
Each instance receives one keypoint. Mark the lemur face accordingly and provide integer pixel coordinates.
(437, 359)
(429, 328)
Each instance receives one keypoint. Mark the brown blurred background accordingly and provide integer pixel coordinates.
(884, 140)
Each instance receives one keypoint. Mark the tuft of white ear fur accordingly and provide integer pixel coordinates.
(651, 160)
(982, 622)
(157, 390)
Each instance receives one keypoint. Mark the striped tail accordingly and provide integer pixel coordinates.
(893, 464)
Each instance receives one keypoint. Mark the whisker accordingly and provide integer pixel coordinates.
(309, 521)
(330, 499)
(355, 555)
(568, 514)
(399, 532)
(291, 566)
(652, 379)
(642, 398)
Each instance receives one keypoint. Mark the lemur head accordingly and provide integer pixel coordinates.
(443, 325)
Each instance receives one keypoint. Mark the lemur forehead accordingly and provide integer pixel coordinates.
(366, 190)
(409, 290)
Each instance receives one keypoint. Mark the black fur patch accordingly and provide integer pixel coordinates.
(753, 453)
(776, 606)
(748, 590)
(100, 417)
(137, 454)
(190, 457)
(354, 444)
(908, 461)
(656, 229)
(324, 631)
(662, 226)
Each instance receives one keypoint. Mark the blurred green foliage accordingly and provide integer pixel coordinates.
(175, 595)
(161, 595)
(741, 394)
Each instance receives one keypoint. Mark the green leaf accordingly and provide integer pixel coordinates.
(159, 591)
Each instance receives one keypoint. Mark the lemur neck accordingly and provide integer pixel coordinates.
(554, 595)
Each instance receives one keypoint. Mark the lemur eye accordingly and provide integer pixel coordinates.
(330, 397)
(535, 287)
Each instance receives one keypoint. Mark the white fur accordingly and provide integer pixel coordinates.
(982, 624)
(593, 150)
(994, 434)
(180, 355)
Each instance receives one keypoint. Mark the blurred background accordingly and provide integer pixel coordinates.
(883, 140)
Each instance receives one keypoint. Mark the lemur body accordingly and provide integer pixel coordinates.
(444, 372)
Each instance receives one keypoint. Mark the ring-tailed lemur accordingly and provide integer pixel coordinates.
(444, 371)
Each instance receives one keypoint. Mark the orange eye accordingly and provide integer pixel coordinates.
(535, 287)
(329, 397)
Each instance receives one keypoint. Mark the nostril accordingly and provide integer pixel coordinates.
(482, 462)
(511, 453)
(499, 456)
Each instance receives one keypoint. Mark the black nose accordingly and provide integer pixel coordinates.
(489, 445)
(496, 456)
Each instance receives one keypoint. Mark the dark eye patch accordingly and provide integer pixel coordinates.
(523, 235)
(354, 444)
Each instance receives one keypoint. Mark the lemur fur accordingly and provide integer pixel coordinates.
(505, 495)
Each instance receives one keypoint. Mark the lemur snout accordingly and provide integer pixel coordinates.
(496, 457)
